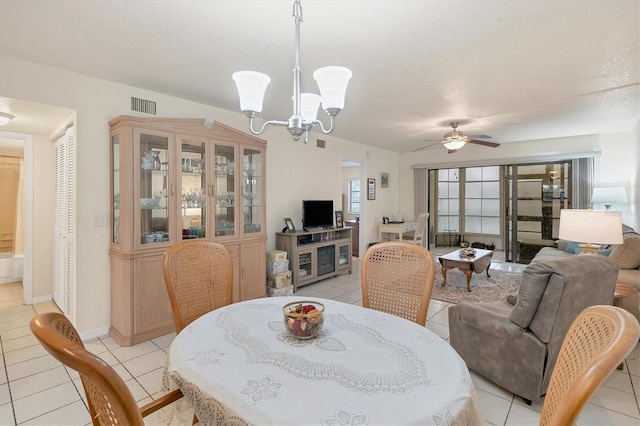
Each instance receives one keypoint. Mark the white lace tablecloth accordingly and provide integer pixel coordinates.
(238, 365)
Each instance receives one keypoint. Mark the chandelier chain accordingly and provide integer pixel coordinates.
(297, 11)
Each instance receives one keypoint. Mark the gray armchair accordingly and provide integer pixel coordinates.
(515, 342)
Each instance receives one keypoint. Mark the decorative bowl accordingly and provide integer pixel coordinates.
(303, 319)
(467, 252)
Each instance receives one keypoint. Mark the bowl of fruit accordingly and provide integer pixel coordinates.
(303, 319)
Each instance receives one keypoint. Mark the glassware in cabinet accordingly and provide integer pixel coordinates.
(153, 188)
(115, 187)
(252, 189)
(194, 185)
(225, 190)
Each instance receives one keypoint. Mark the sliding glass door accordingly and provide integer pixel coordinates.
(534, 194)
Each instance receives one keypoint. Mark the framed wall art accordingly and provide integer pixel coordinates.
(384, 180)
(339, 220)
(371, 189)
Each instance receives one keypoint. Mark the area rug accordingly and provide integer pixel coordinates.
(483, 288)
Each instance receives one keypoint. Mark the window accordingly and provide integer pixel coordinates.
(482, 200)
(448, 200)
(354, 196)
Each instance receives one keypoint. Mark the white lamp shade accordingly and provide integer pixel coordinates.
(455, 144)
(309, 104)
(610, 195)
(251, 87)
(332, 82)
(591, 226)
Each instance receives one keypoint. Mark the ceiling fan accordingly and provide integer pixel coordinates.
(455, 140)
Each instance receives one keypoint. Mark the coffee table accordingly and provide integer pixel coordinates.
(481, 261)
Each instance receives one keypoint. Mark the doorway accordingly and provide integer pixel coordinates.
(34, 126)
(353, 204)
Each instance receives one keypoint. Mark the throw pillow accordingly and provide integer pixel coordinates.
(572, 247)
(627, 254)
(604, 252)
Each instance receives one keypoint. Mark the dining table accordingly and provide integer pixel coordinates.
(239, 365)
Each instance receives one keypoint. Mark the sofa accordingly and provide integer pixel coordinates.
(515, 342)
(625, 255)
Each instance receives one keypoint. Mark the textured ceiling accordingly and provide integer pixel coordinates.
(514, 70)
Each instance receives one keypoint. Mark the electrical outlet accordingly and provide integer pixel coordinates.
(99, 220)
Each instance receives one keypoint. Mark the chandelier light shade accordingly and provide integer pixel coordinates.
(251, 87)
(590, 227)
(5, 118)
(309, 106)
(332, 82)
(609, 195)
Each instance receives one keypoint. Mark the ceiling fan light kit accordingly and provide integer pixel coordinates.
(5, 117)
(332, 82)
(455, 140)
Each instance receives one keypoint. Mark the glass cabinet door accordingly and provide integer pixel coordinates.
(154, 169)
(193, 189)
(115, 187)
(252, 190)
(225, 190)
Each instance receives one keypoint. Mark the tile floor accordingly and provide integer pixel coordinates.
(35, 389)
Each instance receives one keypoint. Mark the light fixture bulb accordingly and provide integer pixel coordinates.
(5, 118)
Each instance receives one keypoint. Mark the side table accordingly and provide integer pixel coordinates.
(622, 291)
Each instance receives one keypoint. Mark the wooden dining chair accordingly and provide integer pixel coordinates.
(421, 228)
(598, 340)
(110, 400)
(397, 278)
(199, 278)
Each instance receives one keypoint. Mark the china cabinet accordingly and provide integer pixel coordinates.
(175, 179)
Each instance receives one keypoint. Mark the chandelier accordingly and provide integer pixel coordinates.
(454, 139)
(332, 82)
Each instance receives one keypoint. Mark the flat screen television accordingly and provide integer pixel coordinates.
(317, 214)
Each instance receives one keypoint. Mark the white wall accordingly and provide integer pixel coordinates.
(295, 171)
(42, 281)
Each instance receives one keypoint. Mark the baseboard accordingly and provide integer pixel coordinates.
(96, 332)
(41, 299)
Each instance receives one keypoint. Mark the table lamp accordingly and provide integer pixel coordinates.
(609, 195)
(591, 227)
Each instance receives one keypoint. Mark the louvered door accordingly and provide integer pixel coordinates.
(64, 223)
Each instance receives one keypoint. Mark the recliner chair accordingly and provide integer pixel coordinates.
(515, 342)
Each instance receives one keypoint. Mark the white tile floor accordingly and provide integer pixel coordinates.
(35, 389)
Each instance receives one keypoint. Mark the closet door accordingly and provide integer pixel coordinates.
(64, 223)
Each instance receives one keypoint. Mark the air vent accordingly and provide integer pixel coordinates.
(143, 105)
(320, 143)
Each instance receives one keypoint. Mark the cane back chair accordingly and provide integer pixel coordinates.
(598, 340)
(199, 278)
(397, 278)
(110, 400)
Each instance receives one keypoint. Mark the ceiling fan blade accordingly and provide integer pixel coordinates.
(451, 151)
(425, 147)
(484, 143)
(479, 137)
